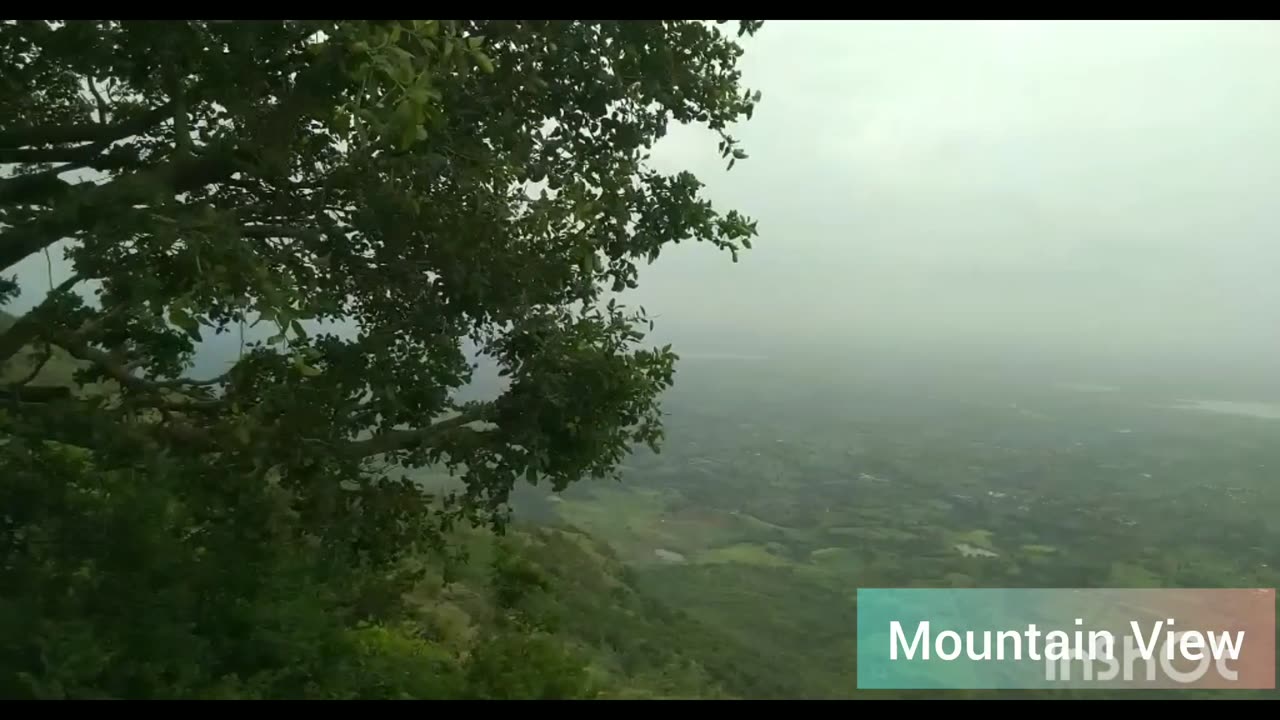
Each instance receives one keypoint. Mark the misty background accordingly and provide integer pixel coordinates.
(1079, 201)
(1095, 198)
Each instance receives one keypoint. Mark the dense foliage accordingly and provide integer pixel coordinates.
(440, 186)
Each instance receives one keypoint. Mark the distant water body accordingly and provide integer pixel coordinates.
(1088, 388)
(1267, 411)
(718, 356)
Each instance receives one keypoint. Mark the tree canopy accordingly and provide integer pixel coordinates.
(446, 188)
(438, 183)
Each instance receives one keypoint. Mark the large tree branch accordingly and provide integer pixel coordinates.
(179, 175)
(181, 135)
(84, 133)
(45, 354)
(98, 156)
(27, 328)
(279, 231)
(78, 155)
(36, 187)
(184, 382)
(75, 422)
(43, 187)
(158, 396)
(103, 110)
(394, 440)
(35, 394)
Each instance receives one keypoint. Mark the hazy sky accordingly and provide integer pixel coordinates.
(1108, 187)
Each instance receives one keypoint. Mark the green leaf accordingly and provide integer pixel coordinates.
(188, 324)
(273, 475)
(408, 136)
(403, 73)
(406, 121)
(298, 329)
(484, 62)
(305, 369)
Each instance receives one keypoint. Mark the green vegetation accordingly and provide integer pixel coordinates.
(336, 517)
(792, 522)
(396, 201)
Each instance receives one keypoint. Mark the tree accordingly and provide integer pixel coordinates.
(438, 185)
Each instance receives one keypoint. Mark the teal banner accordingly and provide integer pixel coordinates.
(975, 639)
